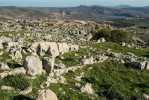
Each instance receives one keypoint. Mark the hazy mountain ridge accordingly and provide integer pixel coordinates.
(79, 13)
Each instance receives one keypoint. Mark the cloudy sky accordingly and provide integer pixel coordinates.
(71, 3)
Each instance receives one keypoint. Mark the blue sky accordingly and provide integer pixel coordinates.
(71, 3)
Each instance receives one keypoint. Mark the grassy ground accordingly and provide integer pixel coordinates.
(99, 48)
(117, 81)
(109, 79)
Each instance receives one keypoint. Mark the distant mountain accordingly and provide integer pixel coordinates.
(82, 12)
(123, 6)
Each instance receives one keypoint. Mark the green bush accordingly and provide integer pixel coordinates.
(102, 33)
(119, 36)
(17, 81)
(116, 35)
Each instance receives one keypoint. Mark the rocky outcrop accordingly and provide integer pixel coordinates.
(4, 66)
(32, 65)
(20, 70)
(52, 48)
(87, 89)
(7, 88)
(87, 60)
(13, 72)
(140, 65)
(48, 63)
(46, 95)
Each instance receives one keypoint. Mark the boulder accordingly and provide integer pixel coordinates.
(146, 96)
(4, 66)
(63, 47)
(87, 89)
(18, 55)
(26, 91)
(123, 44)
(4, 74)
(48, 63)
(13, 72)
(140, 65)
(73, 47)
(101, 40)
(32, 65)
(87, 60)
(12, 44)
(43, 48)
(53, 49)
(7, 88)
(46, 95)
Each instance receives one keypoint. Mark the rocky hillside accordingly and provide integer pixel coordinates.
(51, 59)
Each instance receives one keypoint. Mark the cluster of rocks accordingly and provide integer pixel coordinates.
(51, 48)
(87, 60)
(15, 71)
(131, 59)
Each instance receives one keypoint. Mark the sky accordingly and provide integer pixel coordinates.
(71, 3)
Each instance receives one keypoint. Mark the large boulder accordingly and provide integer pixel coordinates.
(53, 49)
(43, 48)
(46, 95)
(87, 89)
(140, 65)
(63, 47)
(32, 65)
(48, 63)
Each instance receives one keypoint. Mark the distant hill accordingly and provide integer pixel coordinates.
(83, 12)
(123, 6)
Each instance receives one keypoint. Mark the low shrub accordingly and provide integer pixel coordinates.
(17, 81)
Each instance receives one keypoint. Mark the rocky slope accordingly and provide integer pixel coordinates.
(49, 59)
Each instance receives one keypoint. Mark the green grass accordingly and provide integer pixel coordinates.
(39, 80)
(131, 22)
(17, 81)
(124, 50)
(4, 95)
(116, 81)
(71, 92)
(71, 60)
(13, 33)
